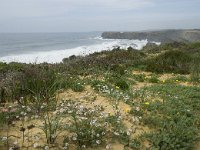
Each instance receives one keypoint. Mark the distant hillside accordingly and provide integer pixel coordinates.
(164, 36)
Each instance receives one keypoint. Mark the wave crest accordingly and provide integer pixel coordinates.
(56, 56)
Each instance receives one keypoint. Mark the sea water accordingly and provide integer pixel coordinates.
(53, 47)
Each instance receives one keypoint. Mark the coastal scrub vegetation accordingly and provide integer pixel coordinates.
(119, 99)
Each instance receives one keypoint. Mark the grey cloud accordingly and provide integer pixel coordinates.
(14, 8)
(87, 15)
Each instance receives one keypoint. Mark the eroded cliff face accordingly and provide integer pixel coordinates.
(163, 36)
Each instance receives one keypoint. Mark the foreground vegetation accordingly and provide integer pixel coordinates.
(119, 99)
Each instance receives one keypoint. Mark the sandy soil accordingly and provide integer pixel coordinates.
(88, 98)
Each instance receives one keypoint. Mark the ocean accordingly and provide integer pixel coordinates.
(53, 47)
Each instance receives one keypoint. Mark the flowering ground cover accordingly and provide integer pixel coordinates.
(109, 100)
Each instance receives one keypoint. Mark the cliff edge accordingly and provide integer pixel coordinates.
(164, 36)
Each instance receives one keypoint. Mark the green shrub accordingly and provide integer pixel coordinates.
(2, 95)
(122, 84)
(118, 81)
(153, 79)
(195, 69)
(195, 45)
(141, 66)
(16, 66)
(151, 48)
(178, 78)
(173, 119)
(39, 81)
(173, 46)
(170, 61)
(3, 67)
(8, 116)
(3, 117)
(139, 77)
(77, 87)
(118, 69)
(180, 137)
(135, 144)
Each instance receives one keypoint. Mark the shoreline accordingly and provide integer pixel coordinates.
(56, 56)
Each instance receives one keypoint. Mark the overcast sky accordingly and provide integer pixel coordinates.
(97, 15)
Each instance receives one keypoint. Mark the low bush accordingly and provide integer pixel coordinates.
(178, 78)
(118, 81)
(3, 118)
(122, 84)
(170, 61)
(139, 77)
(153, 79)
(118, 69)
(77, 87)
(174, 119)
(3, 67)
(195, 69)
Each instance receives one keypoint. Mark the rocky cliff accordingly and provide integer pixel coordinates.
(164, 36)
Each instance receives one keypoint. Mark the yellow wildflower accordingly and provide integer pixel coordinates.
(176, 80)
(163, 81)
(117, 87)
(146, 103)
(110, 114)
(127, 110)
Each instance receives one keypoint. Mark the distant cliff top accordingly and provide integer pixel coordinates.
(164, 36)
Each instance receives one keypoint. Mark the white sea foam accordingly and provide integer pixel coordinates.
(56, 56)
(157, 43)
(97, 38)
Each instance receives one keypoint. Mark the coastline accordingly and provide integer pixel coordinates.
(134, 85)
(56, 56)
